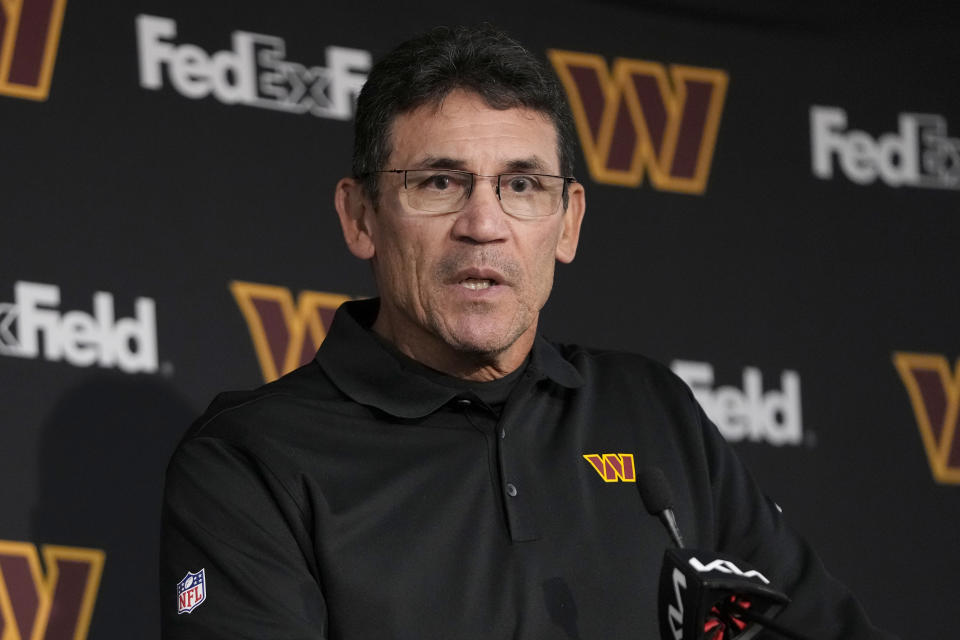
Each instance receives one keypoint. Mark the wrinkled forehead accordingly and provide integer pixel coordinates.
(464, 130)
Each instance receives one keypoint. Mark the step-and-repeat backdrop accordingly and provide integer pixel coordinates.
(773, 211)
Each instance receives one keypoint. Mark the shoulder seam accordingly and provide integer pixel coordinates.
(219, 413)
(266, 467)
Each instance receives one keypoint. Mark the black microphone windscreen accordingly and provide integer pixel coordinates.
(654, 490)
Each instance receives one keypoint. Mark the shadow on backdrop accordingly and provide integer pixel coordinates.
(103, 452)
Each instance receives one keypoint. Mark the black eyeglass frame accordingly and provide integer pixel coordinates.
(567, 180)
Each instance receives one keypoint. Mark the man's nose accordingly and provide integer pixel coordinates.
(482, 219)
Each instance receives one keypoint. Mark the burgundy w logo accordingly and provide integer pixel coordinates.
(613, 467)
(55, 606)
(285, 335)
(29, 35)
(642, 115)
(935, 395)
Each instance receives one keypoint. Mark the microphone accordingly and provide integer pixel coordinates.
(706, 594)
(658, 499)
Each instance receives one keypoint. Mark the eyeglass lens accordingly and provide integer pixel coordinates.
(445, 191)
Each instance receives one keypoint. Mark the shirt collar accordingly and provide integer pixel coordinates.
(370, 374)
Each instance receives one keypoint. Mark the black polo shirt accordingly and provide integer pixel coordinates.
(365, 497)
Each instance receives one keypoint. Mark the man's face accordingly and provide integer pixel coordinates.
(467, 287)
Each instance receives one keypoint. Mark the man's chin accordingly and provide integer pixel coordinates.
(485, 341)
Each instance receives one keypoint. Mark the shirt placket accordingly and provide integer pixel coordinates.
(513, 474)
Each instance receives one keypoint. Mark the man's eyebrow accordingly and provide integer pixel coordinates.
(532, 164)
(441, 162)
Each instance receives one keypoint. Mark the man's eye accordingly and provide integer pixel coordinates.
(441, 182)
(521, 184)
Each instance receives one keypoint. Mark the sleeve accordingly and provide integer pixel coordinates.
(750, 526)
(236, 559)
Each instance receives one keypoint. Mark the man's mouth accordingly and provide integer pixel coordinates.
(477, 283)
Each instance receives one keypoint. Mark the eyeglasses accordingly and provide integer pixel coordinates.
(524, 195)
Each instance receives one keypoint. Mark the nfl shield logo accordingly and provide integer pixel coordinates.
(191, 591)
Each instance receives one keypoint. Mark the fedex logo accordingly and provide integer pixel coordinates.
(613, 467)
(920, 154)
(750, 413)
(255, 72)
(82, 339)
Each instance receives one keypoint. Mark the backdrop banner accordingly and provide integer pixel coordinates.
(773, 211)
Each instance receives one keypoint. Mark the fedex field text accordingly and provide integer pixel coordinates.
(254, 72)
(80, 338)
(919, 154)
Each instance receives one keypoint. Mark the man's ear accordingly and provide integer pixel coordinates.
(572, 219)
(355, 210)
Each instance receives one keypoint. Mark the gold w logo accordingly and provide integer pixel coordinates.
(644, 115)
(55, 606)
(935, 395)
(284, 335)
(613, 467)
(29, 35)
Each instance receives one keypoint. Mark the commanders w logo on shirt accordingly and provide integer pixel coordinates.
(59, 604)
(613, 467)
(935, 395)
(285, 335)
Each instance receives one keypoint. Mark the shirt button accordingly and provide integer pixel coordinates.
(511, 490)
(503, 434)
(464, 402)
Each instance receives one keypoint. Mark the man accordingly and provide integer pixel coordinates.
(429, 474)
